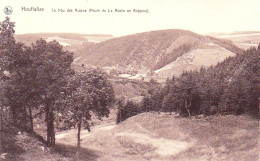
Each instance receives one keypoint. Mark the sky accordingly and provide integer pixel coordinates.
(200, 16)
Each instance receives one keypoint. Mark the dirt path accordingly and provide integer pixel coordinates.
(163, 146)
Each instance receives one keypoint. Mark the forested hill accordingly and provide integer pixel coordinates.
(231, 87)
(160, 51)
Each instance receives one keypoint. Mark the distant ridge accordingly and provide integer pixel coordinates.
(69, 38)
(242, 39)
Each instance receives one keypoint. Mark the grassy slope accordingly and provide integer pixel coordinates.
(152, 136)
(194, 60)
(216, 137)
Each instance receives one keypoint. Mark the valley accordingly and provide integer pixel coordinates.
(140, 68)
(157, 54)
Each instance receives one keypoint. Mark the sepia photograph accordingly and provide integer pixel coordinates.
(129, 80)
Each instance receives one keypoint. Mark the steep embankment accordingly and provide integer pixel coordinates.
(161, 51)
(152, 136)
(22, 146)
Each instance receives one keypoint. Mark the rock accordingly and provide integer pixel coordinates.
(201, 116)
(2, 156)
(45, 149)
(42, 148)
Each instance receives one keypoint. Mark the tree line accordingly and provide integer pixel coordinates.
(230, 87)
(38, 81)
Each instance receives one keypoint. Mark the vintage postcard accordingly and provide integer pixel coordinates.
(129, 80)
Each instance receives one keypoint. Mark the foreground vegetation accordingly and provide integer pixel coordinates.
(38, 81)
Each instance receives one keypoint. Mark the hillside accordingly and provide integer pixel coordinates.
(152, 136)
(147, 52)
